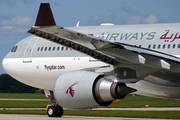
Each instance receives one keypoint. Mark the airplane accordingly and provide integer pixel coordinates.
(91, 66)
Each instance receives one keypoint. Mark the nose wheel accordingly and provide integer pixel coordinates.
(55, 111)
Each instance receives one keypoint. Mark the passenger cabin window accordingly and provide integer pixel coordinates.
(53, 48)
(45, 49)
(14, 48)
(178, 45)
(38, 48)
(57, 48)
(164, 46)
(174, 45)
(169, 46)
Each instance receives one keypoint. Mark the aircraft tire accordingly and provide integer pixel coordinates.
(59, 111)
(51, 111)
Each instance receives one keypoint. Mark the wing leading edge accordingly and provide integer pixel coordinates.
(105, 51)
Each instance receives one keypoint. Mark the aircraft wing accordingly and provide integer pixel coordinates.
(117, 54)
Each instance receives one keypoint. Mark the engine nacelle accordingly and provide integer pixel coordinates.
(84, 90)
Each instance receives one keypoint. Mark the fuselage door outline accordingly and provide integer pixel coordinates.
(27, 57)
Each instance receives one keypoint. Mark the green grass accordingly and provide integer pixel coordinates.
(23, 104)
(31, 112)
(140, 101)
(128, 102)
(23, 96)
(107, 113)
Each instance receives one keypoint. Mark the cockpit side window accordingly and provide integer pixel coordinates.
(14, 48)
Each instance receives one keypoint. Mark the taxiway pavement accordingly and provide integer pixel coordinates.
(45, 117)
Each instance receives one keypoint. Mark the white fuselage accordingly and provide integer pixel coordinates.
(38, 62)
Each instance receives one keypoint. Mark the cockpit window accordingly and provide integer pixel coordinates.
(14, 48)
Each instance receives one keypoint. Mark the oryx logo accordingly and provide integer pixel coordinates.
(70, 89)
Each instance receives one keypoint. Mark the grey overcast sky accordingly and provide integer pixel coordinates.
(17, 16)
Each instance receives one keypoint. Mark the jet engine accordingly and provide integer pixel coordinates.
(85, 89)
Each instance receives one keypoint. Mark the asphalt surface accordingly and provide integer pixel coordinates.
(45, 117)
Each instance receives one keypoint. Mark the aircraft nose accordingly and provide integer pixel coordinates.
(10, 66)
(5, 65)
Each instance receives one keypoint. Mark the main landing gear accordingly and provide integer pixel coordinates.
(53, 110)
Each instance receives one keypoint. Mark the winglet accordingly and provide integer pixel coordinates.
(45, 16)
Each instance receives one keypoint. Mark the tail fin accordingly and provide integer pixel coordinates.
(45, 16)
